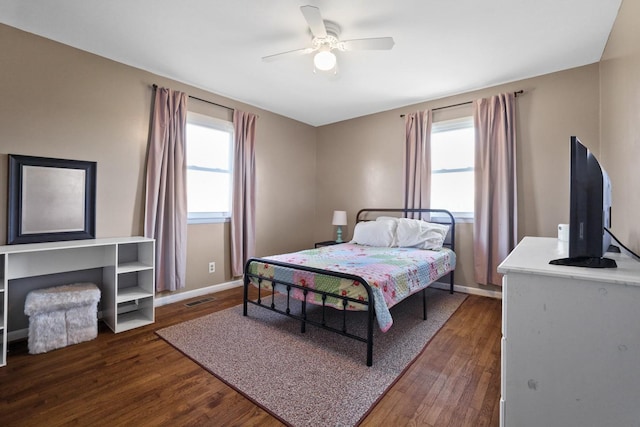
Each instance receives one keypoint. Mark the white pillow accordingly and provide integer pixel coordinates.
(375, 233)
(415, 233)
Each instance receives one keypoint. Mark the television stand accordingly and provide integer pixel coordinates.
(569, 340)
(583, 261)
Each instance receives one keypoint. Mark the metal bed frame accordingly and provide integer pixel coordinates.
(268, 301)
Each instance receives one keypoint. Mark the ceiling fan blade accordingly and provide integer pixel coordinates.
(314, 19)
(378, 43)
(288, 54)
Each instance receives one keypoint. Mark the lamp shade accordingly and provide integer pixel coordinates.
(339, 218)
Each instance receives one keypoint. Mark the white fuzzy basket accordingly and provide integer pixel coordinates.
(61, 316)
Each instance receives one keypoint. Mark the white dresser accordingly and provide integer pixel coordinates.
(570, 340)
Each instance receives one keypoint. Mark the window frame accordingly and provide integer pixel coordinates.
(447, 126)
(199, 119)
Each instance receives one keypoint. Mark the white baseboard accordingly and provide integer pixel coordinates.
(237, 283)
(20, 334)
(168, 299)
(468, 290)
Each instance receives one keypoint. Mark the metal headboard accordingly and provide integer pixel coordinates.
(443, 217)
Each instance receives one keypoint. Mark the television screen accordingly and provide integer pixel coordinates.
(589, 210)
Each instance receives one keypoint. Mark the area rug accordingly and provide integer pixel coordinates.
(317, 378)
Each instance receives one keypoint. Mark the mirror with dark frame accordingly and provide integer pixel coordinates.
(50, 199)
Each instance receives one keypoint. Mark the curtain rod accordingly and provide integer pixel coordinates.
(516, 93)
(155, 86)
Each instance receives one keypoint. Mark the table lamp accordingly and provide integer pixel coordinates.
(339, 219)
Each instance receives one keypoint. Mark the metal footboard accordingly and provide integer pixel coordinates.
(268, 301)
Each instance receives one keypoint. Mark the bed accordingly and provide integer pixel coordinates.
(394, 254)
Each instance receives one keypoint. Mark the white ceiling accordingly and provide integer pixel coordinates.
(442, 47)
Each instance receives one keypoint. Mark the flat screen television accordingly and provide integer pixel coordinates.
(589, 211)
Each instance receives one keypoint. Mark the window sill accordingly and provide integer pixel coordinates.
(207, 220)
(464, 220)
(461, 218)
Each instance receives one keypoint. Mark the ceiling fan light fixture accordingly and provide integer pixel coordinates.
(326, 40)
(324, 60)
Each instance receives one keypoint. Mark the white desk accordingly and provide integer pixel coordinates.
(125, 269)
(570, 340)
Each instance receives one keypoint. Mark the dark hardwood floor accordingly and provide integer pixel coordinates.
(137, 379)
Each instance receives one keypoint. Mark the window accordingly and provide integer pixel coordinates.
(209, 168)
(452, 165)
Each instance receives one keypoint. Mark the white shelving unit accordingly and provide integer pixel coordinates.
(133, 288)
(128, 277)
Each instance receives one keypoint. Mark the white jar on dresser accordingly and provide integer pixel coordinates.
(570, 340)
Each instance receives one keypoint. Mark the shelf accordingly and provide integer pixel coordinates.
(135, 256)
(131, 267)
(133, 320)
(132, 293)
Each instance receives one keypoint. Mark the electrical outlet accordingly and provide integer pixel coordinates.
(212, 267)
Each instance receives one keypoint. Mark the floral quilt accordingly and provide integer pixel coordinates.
(392, 273)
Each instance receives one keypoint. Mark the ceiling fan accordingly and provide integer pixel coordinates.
(326, 39)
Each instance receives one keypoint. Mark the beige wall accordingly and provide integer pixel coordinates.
(360, 161)
(61, 102)
(620, 122)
